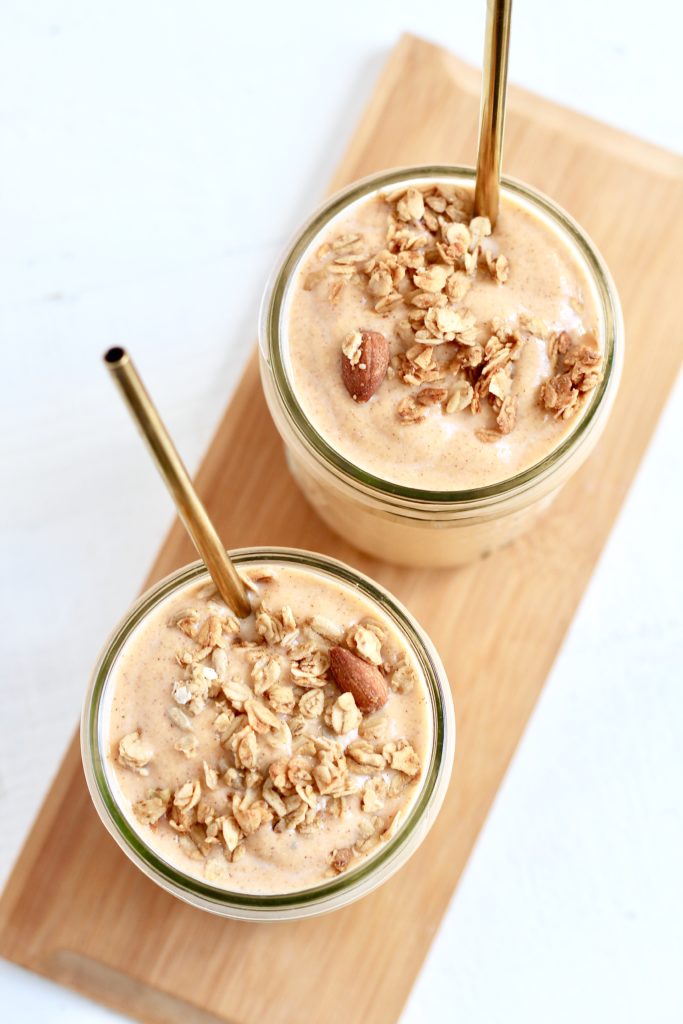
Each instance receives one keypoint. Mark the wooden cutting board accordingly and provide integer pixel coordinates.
(76, 910)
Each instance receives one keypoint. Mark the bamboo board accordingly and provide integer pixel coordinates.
(77, 911)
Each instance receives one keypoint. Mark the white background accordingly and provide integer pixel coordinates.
(154, 156)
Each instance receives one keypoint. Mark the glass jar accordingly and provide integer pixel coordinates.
(408, 525)
(372, 871)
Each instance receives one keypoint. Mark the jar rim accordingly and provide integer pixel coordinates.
(348, 884)
(271, 334)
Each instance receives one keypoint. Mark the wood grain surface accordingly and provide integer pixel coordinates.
(76, 910)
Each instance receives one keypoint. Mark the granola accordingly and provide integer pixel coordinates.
(432, 251)
(577, 372)
(261, 738)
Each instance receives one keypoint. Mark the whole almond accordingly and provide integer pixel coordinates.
(364, 681)
(363, 376)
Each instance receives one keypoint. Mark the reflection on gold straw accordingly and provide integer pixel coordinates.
(493, 93)
(190, 509)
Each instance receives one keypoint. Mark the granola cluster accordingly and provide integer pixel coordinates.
(290, 747)
(433, 252)
(576, 371)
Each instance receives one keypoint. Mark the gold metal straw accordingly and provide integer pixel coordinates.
(191, 510)
(492, 123)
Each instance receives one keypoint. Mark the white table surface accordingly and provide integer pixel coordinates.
(127, 217)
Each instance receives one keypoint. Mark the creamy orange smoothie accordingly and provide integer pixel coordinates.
(436, 353)
(269, 754)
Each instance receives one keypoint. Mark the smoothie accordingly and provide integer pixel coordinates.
(434, 353)
(270, 754)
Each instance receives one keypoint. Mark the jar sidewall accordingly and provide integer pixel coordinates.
(338, 901)
(433, 513)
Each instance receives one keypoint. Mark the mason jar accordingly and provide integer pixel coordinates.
(409, 525)
(341, 890)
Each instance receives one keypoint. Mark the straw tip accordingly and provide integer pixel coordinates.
(114, 356)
